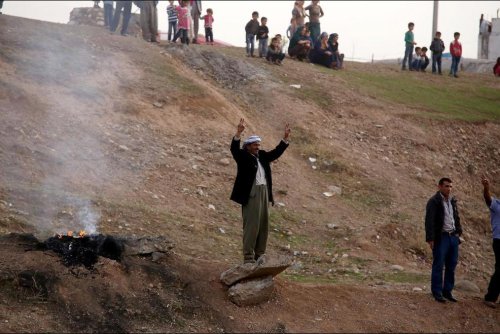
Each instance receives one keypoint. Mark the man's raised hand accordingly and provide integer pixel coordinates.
(287, 131)
(241, 127)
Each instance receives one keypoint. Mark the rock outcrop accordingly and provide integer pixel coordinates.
(95, 17)
(252, 284)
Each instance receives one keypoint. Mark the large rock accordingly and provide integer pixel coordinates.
(147, 245)
(95, 17)
(467, 286)
(271, 267)
(252, 292)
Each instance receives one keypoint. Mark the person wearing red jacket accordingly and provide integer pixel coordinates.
(456, 54)
(496, 68)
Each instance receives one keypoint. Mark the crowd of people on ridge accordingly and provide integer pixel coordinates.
(307, 42)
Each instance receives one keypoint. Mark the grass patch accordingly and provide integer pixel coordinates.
(403, 277)
(310, 279)
(464, 99)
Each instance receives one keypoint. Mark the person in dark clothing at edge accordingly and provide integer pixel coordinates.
(253, 189)
(493, 204)
(442, 232)
(126, 6)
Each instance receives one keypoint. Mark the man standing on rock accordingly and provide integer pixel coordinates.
(253, 190)
(494, 206)
(442, 232)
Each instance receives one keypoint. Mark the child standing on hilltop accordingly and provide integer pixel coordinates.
(315, 12)
(456, 54)
(263, 37)
(172, 20)
(183, 16)
(251, 30)
(437, 48)
(409, 43)
(209, 20)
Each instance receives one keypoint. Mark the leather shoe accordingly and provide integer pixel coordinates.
(490, 304)
(450, 297)
(440, 299)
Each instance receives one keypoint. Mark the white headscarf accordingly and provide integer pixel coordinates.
(252, 139)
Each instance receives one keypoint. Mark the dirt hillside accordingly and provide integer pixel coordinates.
(121, 137)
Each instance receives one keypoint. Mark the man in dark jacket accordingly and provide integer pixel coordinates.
(253, 189)
(442, 231)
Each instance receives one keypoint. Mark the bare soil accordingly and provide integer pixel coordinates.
(129, 138)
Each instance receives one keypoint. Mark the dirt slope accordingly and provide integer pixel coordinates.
(117, 136)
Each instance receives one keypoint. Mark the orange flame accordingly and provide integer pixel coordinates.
(82, 233)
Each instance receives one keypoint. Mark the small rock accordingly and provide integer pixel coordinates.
(336, 190)
(328, 194)
(211, 207)
(280, 204)
(331, 226)
(468, 286)
(224, 162)
(311, 159)
(221, 230)
(123, 147)
(397, 267)
(416, 289)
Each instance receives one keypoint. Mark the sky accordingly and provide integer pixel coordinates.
(367, 29)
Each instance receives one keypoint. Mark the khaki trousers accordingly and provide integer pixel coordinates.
(149, 21)
(255, 223)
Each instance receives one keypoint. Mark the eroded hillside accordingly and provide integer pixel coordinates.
(117, 136)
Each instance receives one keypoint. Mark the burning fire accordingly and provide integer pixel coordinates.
(72, 234)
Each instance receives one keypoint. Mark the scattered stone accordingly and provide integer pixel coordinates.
(123, 147)
(311, 159)
(331, 226)
(252, 292)
(224, 162)
(336, 190)
(280, 204)
(211, 207)
(328, 194)
(467, 286)
(221, 230)
(296, 86)
(397, 267)
(415, 289)
(159, 104)
(272, 267)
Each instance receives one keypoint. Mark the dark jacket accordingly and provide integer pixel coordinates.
(434, 218)
(262, 32)
(252, 27)
(247, 170)
(437, 46)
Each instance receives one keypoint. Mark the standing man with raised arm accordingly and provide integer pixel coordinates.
(253, 189)
(494, 205)
(442, 232)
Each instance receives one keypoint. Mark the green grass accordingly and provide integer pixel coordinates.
(403, 277)
(310, 279)
(466, 99)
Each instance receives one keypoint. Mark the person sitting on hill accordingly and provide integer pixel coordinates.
(496, 68)
(274, 54)
(300, 44)
(424, 60)
(415, 64)
(321, 54)
(333, 45)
